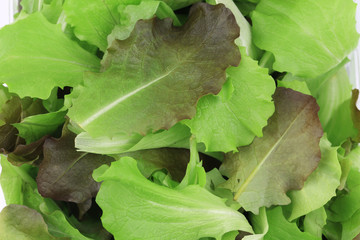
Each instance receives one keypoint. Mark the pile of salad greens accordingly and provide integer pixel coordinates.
(179, 120)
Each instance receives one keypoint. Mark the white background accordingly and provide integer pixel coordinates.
(7, 8)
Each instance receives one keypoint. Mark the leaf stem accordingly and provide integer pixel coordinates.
(267, 61)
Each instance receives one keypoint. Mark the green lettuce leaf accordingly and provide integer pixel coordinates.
(102, 16)
(355, 113)
(333, 94)
(50, 9)
(169, 67)
(315, 221)
(245, 38)
(296, 85)
(19, 222)
(280, 228)
(35, 127)
(92, 20)
(140, 209)
(130, 14)
(351, 227)
(11, 181)
(347, 202)
(332, 231)
(172, 159)
(346, 161)
(176, 4)
(246, 7)
(53, 10)
(195, 173)
(176, 136)
(347, 229)
(214, 179)
(53, 103)
(224, 123)
(12, 111)
(354, 157)
(31, 6)
(320, 186)
(303, 35)
(260, 225)
(46, 56)
(20, 188)
(31, 106)
(260, 174)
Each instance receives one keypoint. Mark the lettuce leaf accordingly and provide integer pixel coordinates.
(260, 174)
(35, 127)
(22, 223)
(65, 174)
(20, 188)
(307, 38)
(280, 228)
(320, 186)
(41, 55)
(229, 120)
(92, 20)
(138, 208)
(170, 67)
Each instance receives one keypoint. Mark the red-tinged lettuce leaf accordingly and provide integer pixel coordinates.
(21, 222)
(41, 57)
(154, 78)
(20, 188)
(245, 38)
(136, 208)
(260, 174)
(31, 153)
(65, 174)
(10, 113)
(319, 187)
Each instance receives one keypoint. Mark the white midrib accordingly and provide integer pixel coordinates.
(257, 168)
(114, 103)
(196, 210)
